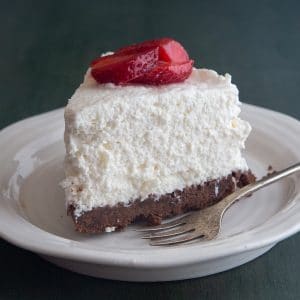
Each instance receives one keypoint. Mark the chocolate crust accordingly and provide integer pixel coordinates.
(153, 210)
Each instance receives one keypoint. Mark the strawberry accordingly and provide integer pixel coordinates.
(166, 73)
(122, 69)
(102, 58)
(160, 61)
(169, 50)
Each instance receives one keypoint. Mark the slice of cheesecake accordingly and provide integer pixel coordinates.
(147, 152)
(151, 152)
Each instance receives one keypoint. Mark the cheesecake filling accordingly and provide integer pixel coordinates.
(128, 142)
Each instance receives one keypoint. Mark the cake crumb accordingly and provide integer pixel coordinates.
(110, 229)
(270, 170)
(154, 219)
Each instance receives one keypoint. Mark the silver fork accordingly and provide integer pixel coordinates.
(206, 223)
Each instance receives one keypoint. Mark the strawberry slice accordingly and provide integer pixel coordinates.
(102, 58)
(120, 69)
(160, 61)
(169, 50)
(166, 73)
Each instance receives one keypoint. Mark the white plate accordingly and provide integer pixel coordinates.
(32, 210)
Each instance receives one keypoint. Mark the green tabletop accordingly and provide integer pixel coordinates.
(47, 46)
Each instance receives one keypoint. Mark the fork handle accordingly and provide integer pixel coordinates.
(252, 187)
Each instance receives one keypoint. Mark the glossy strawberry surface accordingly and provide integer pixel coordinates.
(169, 50)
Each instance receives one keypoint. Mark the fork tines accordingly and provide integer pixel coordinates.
(173, 232)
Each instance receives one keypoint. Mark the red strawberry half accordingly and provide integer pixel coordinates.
(155, 62)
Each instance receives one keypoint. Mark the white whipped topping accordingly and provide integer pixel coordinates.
(126, 142)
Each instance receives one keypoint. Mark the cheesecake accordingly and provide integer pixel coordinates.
(146, 150)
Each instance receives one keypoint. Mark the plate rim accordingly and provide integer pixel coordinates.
(92, 255)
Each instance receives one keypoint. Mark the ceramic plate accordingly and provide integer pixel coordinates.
(33, 215)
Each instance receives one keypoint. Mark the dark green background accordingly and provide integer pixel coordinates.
(45, 49)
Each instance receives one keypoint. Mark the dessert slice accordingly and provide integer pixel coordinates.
(151, 143)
